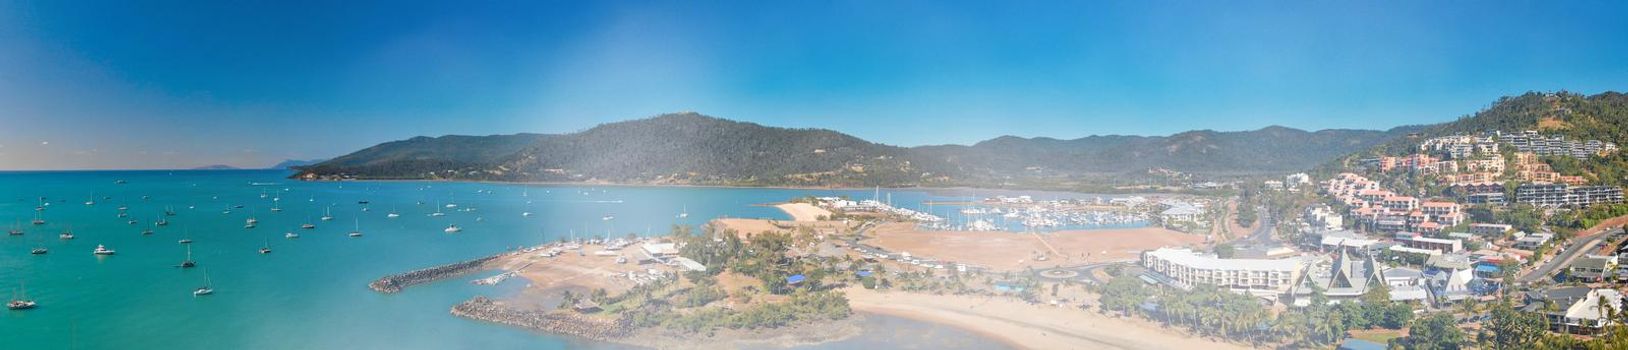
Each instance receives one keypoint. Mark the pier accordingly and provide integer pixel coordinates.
(395, 283)
(557, 322)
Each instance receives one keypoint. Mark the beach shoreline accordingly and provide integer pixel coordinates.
(1027, 326)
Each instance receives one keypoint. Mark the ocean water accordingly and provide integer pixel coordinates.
(310, 293)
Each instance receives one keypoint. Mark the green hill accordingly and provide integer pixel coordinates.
(690, 148)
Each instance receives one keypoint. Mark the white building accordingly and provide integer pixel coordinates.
(1266, 278)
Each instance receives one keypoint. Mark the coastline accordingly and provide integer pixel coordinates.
(930, 189)
(1027, 326)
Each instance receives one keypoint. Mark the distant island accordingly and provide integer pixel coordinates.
(293, 163)
(216, 167)
(694, 149)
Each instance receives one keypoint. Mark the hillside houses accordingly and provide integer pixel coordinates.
(1383, 210)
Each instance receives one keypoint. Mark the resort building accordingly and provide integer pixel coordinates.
(1448, 276)
(1532, 141)
(1491, 230)
(1591, 268)
(1324, 218)
(1444, 245)
(1579, 308)
(1548, 194)
(1342, 277)
(1532, 241)
(1266, 278)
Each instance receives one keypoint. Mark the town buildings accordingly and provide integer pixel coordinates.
(1266, 278)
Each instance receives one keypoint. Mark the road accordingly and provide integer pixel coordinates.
(1572, 251)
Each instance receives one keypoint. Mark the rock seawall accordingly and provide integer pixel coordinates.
(558, 322)
(395, 283)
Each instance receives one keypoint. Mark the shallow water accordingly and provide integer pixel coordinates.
(311, 293)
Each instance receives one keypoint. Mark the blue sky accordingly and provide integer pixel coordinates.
(179, 84)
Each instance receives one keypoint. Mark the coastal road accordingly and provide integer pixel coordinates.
(1572, 251)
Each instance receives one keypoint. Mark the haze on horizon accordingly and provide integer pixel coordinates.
(180, 85)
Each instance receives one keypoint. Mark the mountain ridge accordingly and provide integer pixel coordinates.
(691, 148)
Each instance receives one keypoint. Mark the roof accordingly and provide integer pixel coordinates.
(1402, 272)
(1187, 257)
(1591, 262)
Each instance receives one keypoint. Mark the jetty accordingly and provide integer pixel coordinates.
(395, 283)
(556, 322)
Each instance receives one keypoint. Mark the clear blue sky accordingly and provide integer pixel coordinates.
(169, 84)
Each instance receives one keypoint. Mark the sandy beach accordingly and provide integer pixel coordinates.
(803, 212)
(1016, 250)
(1028, 326)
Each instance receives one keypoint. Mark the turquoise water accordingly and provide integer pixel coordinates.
(309, 293)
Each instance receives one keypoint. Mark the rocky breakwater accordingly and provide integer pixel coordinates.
(557, 322)
(394, 283)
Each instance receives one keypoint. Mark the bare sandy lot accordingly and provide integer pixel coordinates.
(1016, 250)
(803, 211)
(1028, 326)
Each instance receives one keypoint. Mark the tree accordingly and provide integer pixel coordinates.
(1435, 332)
(1225, 250)
(1512, 329)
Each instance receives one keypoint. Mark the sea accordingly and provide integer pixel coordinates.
(311, 292)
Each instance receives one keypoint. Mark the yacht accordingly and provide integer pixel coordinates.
(38, 220)
(66, 234)
(327, 215)
(291, 235)
(308, 226)
(188, 263)
(162, 222)
(15, 230)
(248, 226)
(39, 251)
(20, 301)
(265, 247)
(525, 214)
(147, 232)
(608, 217)
(274, 207)
(207, 289)
(169, 212)
(392, 215)
(251, 221)
(358, 231)
(102, 250)
(453, 229)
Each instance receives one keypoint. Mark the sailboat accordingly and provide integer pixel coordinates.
(684, 213)
(327, 214)
(274, 207)
(358, 231)
(188, 263)
(392, 214)
(103, 250)
(66, 233)
(207, 289)
(265, 246)
(21, 301)
(453, 229)
(161, 222)
(16, 230)
(168, 211)
(92, 200)
(38, 220)
(187, 239)
(438, 210)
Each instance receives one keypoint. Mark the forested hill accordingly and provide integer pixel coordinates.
(690, 148)
(1601, 117)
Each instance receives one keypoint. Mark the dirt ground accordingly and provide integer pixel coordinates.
(1014, 251)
